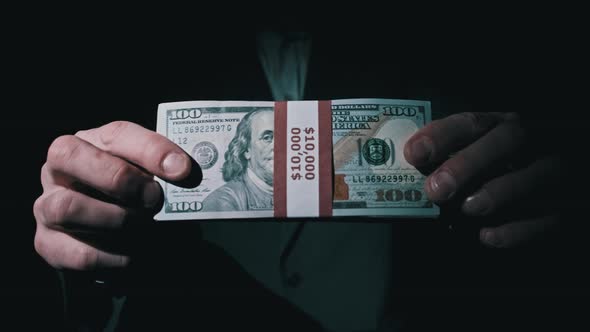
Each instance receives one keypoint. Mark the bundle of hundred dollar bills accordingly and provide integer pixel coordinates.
(296, 159)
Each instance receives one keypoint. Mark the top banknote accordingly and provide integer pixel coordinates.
(298, 159)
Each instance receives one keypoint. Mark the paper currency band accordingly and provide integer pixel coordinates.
(303, 159)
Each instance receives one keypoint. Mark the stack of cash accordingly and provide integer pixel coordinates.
(299, 159)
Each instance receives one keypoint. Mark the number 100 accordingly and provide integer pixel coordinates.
(396, 195)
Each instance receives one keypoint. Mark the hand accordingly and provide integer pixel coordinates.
(94, 185)
(472, 155)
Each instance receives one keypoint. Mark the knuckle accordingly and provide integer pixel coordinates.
(509, 136)
(46, 249)
(38, 209)
(84, 258)
(109, 133)
(462, 167)
(45, 176)
(468, 163)
(156, 150)
(58, 207)
(40, 244)
(478, 122)
(473, 120)
(459, 164)
(62, 150)
(123, 178)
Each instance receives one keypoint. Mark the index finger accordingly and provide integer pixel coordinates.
(147, 149)
(436, 141)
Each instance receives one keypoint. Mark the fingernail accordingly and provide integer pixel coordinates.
(490, 238)
(421, 150)
(174, 164)
(443, 185)
(151, 194)
(477, 204)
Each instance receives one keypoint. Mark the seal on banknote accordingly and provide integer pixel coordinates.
(376, 152)
(206, 154)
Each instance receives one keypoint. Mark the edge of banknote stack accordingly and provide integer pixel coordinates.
(322, 160)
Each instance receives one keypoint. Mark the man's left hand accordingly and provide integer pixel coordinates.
(473, 157)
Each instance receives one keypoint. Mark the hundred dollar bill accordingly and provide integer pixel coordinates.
(359, 170)
(371, 174)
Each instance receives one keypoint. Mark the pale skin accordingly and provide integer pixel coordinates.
(103, 159)
(120, 158)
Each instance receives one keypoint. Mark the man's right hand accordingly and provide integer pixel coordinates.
(94, 184)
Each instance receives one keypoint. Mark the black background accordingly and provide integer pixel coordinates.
(68, 75)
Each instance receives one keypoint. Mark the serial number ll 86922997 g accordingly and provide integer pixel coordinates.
(202, 129)
(383, 178)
